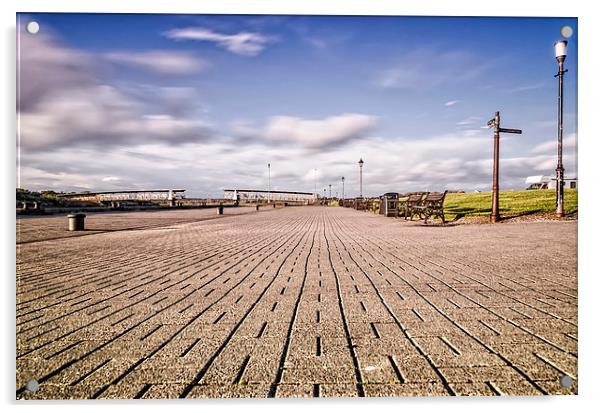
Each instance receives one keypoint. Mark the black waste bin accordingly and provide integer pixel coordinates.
(76, 221)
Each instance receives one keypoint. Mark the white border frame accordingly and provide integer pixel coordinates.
(589, 199)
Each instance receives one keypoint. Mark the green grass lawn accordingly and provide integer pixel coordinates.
(512, 203)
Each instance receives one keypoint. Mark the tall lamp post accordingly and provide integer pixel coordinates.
(315, 182)
(343, 181)
(361, 163)
(269, 192)
(561, 51)
(330, 191)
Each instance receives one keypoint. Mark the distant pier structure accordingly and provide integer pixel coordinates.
(130, 195)
(262, 196)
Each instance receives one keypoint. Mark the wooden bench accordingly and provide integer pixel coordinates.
(408, 205)
(430, 206)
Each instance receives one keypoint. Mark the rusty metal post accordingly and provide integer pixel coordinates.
(495, 201)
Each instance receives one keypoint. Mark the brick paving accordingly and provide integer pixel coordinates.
(295, 302)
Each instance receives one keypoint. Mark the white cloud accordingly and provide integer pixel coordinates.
(451, 103)
(243, 43)
(311, 133)
(160, 61)
(43, 67)
(471, 120)
(101, 115)
(568, 142)
(391, 164)
(63, 102)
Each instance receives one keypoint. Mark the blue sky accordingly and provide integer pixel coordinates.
(204, 102)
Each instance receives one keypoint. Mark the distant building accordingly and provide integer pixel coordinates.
(548, 182)
(132, 195)
(259, 195)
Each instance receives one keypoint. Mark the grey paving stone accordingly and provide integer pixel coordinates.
(172, 303)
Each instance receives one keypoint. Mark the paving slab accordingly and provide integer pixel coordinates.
(293, 302)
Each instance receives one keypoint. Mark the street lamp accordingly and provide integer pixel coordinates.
(560, 48)
(315, 182)
(330, 191)
(343, 180)
(269, 192)
(361, 163)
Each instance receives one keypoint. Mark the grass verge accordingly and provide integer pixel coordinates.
(512, 203)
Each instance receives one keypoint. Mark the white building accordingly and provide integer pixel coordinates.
(548, 182)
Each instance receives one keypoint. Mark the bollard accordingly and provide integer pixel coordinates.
(273, 205)
(76, 221)
(256, 207)
(220, 210)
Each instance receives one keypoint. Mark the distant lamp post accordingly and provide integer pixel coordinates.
(315, 182)
(330, 191)
(561, 48)
(361, 164)
(343, 181)
(269, 191)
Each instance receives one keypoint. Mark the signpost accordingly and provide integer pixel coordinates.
(495, 201)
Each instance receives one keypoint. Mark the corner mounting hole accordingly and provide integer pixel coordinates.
(566, 31)
(566, 381)
(32, 385)
(33, 27)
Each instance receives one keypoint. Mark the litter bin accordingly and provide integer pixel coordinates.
(256, 207)
(76, 221)
(220, 210)
(390, 204)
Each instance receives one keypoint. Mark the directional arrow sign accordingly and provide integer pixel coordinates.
(491, 123)
(511, 130)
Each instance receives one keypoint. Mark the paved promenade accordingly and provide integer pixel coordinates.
(299, 301)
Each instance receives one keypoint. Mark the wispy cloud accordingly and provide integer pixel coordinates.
(471, 120)
(569, 142)
(311, 133)
(242, 43)
(160, 61)
(427, 68)
(526, 88)
(452, 102)
(74, 107)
